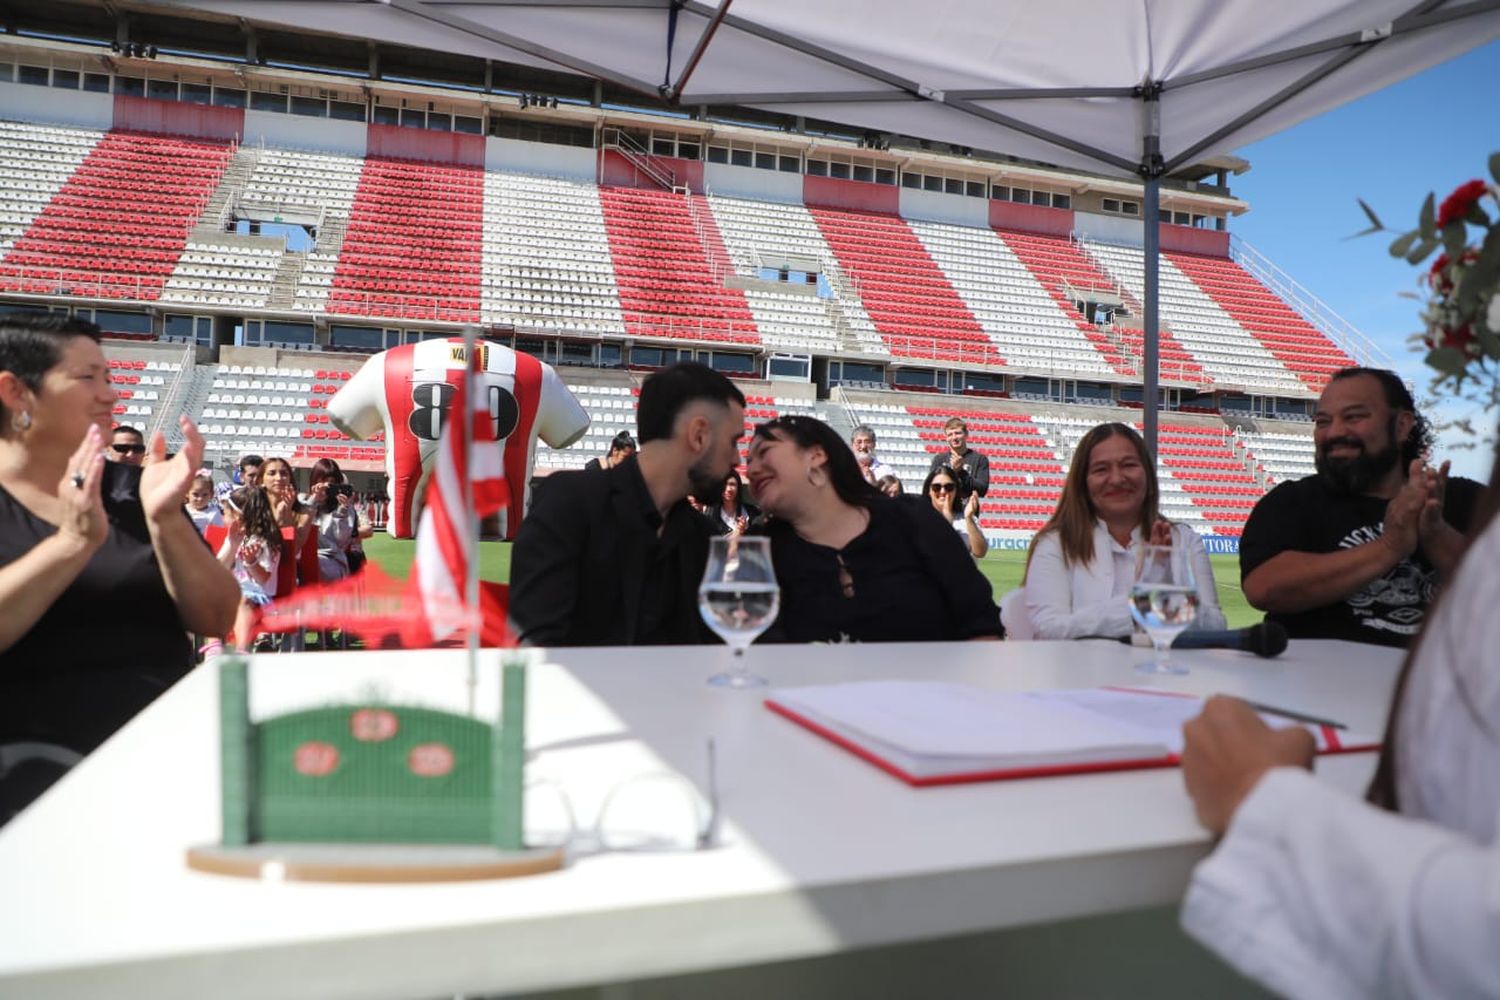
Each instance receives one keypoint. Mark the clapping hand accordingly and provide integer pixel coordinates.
(1435, 482)
(164, 481)
(1161, 533)
(742, 524)
(83, 520)
(971, 506)
(1406, 512)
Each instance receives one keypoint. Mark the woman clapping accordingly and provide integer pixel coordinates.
(84, 541)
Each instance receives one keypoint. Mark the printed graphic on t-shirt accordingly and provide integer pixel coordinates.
(1396, 602)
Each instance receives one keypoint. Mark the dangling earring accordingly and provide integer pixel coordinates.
(21, 421)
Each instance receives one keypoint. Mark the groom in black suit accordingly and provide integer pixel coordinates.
(614, 557)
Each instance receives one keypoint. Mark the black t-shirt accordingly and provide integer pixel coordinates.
(110, 643)
(913, 579)
(1304, 516)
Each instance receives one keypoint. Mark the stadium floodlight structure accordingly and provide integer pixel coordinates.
(1138, 89)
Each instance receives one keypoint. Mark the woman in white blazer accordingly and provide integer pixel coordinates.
(1081, 565)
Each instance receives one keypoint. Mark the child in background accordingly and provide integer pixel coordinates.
(252, 551)
(200, 504)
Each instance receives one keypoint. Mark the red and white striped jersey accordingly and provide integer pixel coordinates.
(407, 390)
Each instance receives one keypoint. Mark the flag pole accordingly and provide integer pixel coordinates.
(471, 516)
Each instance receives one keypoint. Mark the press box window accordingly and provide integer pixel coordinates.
(741, 158)
(689, 150)
(913, 181)
(789, 164)
(885, 176)
(67, 79)
(262, 101)
(839, 170)
(197, 93)
(1062, 201)
(346, 111)
(34, 75)
(228, 98)
(930, 183)
(309, 107)
(817, 168)
(718, 154)
(1130, 207)
(974, 189)
(467, 124)
(130, 86)
(386, 116)
(162, 90)
(439, 123)
(765, 161)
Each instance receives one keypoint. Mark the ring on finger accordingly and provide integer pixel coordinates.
(78, 480)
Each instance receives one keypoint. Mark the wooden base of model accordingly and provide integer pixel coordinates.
(372, 862)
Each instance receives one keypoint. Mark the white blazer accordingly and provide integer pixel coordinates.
(1070, 602)
(1318, 894)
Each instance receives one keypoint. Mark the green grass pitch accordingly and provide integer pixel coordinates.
(1002, 568)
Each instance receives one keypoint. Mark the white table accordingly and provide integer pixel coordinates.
(821, 852)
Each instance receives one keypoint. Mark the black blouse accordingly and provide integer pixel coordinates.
(913, 580)
(110, 643)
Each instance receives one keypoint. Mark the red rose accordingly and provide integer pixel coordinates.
(1464, 197)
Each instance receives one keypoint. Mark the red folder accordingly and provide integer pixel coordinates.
(1330, 738)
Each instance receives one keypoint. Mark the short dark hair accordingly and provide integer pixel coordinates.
(665, 393)
(127, 429)
(622, 441)
(1398, 397)
(843, 470)
(249, 460)
(31, 343)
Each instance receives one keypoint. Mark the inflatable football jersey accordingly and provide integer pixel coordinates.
(406, 391)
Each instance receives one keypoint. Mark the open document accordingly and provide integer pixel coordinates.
(928, 733)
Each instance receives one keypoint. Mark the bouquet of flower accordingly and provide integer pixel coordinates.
(1461, 317)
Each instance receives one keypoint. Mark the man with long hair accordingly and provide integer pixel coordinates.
(1358, 550)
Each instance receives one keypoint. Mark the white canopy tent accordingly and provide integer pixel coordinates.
(1137, 89)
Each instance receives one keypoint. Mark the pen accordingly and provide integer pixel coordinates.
(1287, 713)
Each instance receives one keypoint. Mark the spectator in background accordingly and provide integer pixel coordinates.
(337, 519)
(615, 558)
(252, 552)
(1358, 550)
(1082, 563)
(891, 486)
(730, 514)
(621, 448)
(127, 446)
(201, 506)
(863, 443)
(85, 542)
(249, 468)
(280, 483)
(941, 488)
(972, 468)
(852, 564)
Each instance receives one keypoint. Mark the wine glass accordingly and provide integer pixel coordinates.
(1163, 601)
(739, 600)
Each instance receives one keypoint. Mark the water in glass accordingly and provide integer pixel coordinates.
(739, 599)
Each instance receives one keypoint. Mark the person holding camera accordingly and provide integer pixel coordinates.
(337, 517)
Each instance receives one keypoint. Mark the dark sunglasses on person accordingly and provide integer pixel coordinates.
(128, 449)
(943, 487)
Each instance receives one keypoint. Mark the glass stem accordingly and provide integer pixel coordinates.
(1163, 651)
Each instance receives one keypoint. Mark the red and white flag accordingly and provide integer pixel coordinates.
(464, 488)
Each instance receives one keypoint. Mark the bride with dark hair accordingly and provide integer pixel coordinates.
(852, 563)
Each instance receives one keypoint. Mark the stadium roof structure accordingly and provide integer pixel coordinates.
(1137, 89)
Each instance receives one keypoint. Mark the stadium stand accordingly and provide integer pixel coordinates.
(912, 304)
(664, 255)
(1289, 337)
(1227, 352)
(546, 261)
(36, 161)
(413, 247)
(117, 226)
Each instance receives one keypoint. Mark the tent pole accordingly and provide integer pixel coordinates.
(1151, 346)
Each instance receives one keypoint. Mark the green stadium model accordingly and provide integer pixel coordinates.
(390, 790)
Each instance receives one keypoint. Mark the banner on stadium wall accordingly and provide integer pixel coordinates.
(1214, 545)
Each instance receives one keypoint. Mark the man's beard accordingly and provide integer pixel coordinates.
(1355, 475)
(706, 482)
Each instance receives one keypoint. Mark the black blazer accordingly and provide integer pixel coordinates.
(579, 560)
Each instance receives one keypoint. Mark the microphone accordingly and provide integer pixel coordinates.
(1264, 639)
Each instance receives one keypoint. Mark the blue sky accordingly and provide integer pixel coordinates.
(1429, 133)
